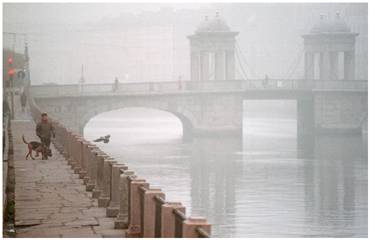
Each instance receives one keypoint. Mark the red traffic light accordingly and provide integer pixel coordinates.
(10, 60)
(11, 72)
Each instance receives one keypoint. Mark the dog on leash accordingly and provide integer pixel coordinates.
(38, 148)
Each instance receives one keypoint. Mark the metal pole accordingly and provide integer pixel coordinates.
(12, 79)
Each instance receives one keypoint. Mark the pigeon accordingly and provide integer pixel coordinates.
(104, 139)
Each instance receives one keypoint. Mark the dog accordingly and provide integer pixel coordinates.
(38, 148)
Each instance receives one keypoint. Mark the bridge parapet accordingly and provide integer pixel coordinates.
(196, 86)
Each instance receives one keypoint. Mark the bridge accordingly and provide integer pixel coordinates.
(329, 98)
(212, 107)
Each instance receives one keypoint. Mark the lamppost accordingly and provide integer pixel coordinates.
(82, 79)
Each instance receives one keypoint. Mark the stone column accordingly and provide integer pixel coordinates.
(113, 208)
(220, 65)
(334, 73)
(67, 146)
(134, 229)
(149, 217)
(104, 198)
(349, 65)
(92, 168)
(84, 158)
(88, 161)
(324, 66)
(195, 66)
(309, 66)
(230, 65)
(121, 221)
(190, 225)
(204, 66)
(78, 155)
(99, 175)
(168, 218)
(72, 147)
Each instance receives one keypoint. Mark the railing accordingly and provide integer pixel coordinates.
(133, 203)
(195, 86)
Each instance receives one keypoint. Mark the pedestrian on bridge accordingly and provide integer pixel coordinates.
(23, 100)
(44, 130)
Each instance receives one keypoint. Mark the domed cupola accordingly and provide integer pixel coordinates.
(217, 24)
(336, 25)
(330, 50)
(212, 50)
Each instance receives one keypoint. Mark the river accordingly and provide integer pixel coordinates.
(257, 186)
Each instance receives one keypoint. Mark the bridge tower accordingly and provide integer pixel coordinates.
(212, 49)
(330, 50)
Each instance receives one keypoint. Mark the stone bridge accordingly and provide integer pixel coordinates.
(212, 107)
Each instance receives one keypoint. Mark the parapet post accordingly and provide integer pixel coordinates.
(180, 217)
(134, 229)
(67, 146)
(104, 198)
(73, 154)
(99, 175)
(84, 158)
(89, 179)
(77, 154)
(195, 227)
(113, 208)
(148, 222)
(121, 221)
(168, 218)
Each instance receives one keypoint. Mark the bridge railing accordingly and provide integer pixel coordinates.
(196, 86)
(132, 201)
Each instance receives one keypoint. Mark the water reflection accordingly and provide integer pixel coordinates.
(258, 186)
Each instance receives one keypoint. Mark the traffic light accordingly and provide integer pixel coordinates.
(10, 60)
(11, 72)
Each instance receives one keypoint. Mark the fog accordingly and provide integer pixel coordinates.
(148, 42)
(241, 132)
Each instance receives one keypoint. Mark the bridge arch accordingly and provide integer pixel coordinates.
(184, 116)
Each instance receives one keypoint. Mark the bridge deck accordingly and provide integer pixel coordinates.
(256, 87)
(50, 200)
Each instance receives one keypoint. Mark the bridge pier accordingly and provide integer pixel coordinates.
(305, 127)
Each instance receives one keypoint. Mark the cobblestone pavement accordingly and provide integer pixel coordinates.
(50, 200)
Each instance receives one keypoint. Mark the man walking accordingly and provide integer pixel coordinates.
(23, 100)
(44, 130)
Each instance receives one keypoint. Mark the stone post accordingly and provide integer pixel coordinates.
(104, 197)
(67, 146)
(134, 229)
(113, 208)
(168, 218)
(100, 174)
(90, 177)
(192, 224)
(78, 155)
(149, 211)
(121, 221)
(84, 153)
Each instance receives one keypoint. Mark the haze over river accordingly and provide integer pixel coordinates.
(251, 187)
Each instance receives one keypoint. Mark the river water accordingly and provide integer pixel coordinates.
(256, 186)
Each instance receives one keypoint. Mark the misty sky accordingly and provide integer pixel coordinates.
(147, 42)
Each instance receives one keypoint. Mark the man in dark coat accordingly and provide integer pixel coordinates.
(44, 130)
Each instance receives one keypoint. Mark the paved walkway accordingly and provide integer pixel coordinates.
(50, 200)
